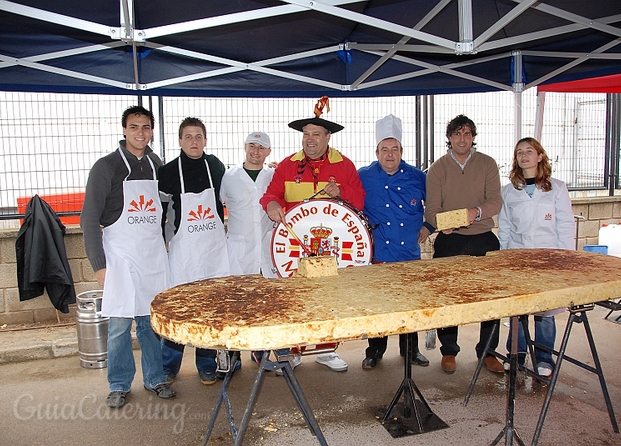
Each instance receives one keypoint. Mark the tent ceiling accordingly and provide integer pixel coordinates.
(304, 48)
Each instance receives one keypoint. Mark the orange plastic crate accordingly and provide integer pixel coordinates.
(68, 202)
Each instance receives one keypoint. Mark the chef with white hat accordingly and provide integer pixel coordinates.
(395, 192)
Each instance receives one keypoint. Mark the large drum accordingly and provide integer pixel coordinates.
(326, 227)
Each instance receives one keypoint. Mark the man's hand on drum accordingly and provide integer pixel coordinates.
(275, 212)
(332, 189)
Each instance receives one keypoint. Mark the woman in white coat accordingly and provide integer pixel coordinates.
(536, 213)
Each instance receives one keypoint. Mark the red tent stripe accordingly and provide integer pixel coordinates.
(603, 84)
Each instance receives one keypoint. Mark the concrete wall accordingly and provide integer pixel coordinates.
(595, 210)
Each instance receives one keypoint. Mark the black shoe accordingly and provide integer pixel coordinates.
(162, 391)
(369, 363)
(116, 399)
(207, 378)
(419, 359)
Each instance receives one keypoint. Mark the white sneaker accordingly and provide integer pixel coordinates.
(294, 362)
(544, 370)
(332, 361)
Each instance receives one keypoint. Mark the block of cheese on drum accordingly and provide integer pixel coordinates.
(320, 266)
(452, 219)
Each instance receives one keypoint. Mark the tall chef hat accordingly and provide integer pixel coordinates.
(387, 127)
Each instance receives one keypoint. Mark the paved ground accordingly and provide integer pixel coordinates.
(56, 402)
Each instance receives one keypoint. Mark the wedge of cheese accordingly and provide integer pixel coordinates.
(321, 266)
(452, 219)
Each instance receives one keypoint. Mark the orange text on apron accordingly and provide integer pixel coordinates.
(198, 249)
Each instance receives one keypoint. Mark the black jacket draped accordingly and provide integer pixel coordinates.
(42, 262)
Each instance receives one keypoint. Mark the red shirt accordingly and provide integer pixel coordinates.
(289, 186)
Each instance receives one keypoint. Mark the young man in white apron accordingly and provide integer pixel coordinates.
(197, 249)
(128, 256)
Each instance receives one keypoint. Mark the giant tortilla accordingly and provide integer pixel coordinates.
(253, 313)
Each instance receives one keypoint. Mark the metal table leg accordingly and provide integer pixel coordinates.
(509, 431)
(477, 371)
(224, 397)
(531, 351)
(294, 386)
(399, 425)
(577, 314)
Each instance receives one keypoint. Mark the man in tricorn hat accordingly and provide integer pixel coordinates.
(316, 168)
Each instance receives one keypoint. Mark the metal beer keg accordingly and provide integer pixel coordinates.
(92, 330)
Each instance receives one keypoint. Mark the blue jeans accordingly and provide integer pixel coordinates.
(121, 365)
(545, 334)
(172, 354)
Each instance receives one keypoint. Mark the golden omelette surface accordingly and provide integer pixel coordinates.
(254, 313)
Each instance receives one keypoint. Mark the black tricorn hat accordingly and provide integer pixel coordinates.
(330, 126)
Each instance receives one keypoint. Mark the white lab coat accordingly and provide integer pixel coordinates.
(544, 221)
(249, 231)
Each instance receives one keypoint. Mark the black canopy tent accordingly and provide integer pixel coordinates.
(296, 48)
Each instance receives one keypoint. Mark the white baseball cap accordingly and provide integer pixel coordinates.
(387, 127)
(259, 138)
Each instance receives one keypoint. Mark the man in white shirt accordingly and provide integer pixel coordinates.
(249, 229)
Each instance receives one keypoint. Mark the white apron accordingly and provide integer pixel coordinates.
(136, 265)
(198, 249)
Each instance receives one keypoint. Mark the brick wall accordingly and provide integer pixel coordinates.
(596, 211)
(40, 309)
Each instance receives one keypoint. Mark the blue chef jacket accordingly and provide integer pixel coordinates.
(394, 207)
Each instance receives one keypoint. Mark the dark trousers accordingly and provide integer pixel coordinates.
(377, 346)
(474, 245)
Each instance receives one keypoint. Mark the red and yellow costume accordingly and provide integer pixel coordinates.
(297, 178)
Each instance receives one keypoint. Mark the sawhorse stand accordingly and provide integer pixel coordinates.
(293, 383)
(577, 314)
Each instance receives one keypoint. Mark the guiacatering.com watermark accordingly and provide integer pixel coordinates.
(89, 407)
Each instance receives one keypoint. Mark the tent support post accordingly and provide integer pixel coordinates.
(613, 142)
(540, 109)
(518, 87)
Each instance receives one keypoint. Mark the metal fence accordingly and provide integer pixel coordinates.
(48, 142)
